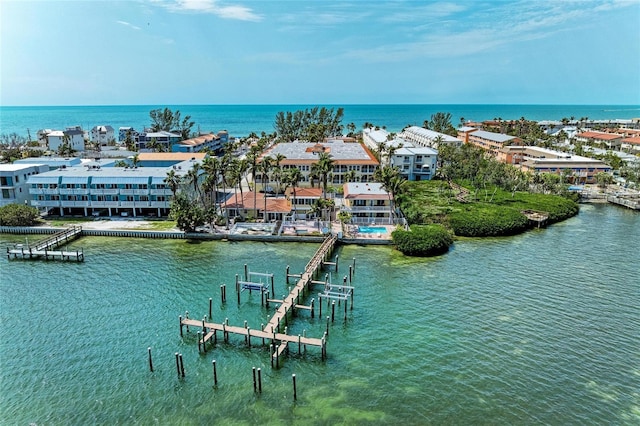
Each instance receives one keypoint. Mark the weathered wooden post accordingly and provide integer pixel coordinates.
(210, 307)
(350, 274)
(273, 287)
(186, 316)
(259, 380)
(295, 393)
(246, 272)
(271, 353)
(262, 328)
(238, 288)
(336, 263)
(181, 365)
(327, 332)
(178, 363)
(333, 310)
(345, 310)
(299, 343)
(249, 336)
(150, 360)
(354, 265)
(215, 373)
(255, 382)
(312, 308)
(199, 341)
(180, 317)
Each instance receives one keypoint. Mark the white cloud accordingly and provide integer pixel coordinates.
(213, 7)
(127, 24)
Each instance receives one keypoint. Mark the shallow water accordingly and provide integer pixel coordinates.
(537, 328)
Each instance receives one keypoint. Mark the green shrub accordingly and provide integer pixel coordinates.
(488, 220)
(18, 215)
(429, 240)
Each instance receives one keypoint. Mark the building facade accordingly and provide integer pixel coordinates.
(578, 169)
(367, 203)
(104, 191)
(489, 141)
(349, 158)
(102, 135)
(415, 163)
(14, 187)
(422, 137)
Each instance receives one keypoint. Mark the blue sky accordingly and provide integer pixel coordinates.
(319, 52)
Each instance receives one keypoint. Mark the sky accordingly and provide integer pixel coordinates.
(319, 52)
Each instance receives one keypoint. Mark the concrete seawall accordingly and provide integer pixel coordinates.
(130, 233)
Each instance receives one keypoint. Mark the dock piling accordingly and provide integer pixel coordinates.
(295, 393)
(215, 373)
(150, 360)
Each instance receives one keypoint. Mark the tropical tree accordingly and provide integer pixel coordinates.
(212, 167)
(167, 120)
(441, 122)
(324, 169)
(193, 177)
(391, 182)
(294, 176)
(265, 168)
(173, 181)
(350, 176)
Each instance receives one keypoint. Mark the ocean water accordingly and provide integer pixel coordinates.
(241, 120)
(540, 328)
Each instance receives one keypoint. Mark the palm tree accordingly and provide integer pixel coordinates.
(279, 157)
(212, 167)
(324, 168)
(391, 182)
(265, 167)
(350, 176)
(193, 175)
(237, 170)
(173, 181)
(253, 168)
(294, 176)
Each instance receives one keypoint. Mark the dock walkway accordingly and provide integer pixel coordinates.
(46, 248)
(279, 341)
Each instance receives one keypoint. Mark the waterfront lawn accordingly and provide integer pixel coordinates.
(488, 211)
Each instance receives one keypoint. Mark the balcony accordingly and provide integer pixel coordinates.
(160, 204)
(104, 191)
(45, 203)
(105, 204)
(160, 192)
(74, 203)
(73, 191)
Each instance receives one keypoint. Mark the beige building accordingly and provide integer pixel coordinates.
(489, 141)
(346, 156)
(542, 160)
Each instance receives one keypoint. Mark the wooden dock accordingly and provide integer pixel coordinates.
(47, 248)
(271, 331)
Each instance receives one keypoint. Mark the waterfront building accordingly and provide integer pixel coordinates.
(303, 201)
(105, 191)
(169, 159)
(347, 157)
(124, 131)
(74, 136)
(210, 141)
(14, 187)
(368, 203)
(421, 137)
(632, 144)
(102, 135)
(373, 137)
(242, 205)
(541, 160)
(415, 163)
(489, 141)
(610, 140)
(164, 139)
(52, 162)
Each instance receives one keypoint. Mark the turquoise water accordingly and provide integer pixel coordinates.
(541, 328)
(241, 120)
(371, 229)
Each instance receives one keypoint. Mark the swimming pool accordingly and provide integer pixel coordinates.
(372, 229)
